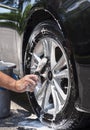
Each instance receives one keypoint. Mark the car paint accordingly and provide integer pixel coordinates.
(19, 17)
(76, 18)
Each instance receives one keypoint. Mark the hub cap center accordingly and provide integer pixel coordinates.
(50, 76)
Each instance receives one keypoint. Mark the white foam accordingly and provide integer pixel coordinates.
(33, 124)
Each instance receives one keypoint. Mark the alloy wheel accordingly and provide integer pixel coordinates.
(53, 89)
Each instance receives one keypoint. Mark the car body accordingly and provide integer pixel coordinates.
(18, 18)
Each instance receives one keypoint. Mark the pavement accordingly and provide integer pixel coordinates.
(21, 117)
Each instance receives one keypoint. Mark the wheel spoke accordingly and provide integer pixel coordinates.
(44, 75)
(46, 48)
(61, 74)
(40, 93)
(56, 100)
(52, 56)
(34, 62)
(46, 103)
(61, 92)
(37, 58)
(61, 63)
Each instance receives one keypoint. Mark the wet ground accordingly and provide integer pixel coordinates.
(21, 116)
(21, 119)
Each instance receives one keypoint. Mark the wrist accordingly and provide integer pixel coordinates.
(18, 86)
(14, 86)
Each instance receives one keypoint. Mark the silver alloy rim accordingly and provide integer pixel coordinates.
(53, 89)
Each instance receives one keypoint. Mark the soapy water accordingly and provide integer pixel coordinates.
(33, 125)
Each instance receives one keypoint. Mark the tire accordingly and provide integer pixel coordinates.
(54, 97)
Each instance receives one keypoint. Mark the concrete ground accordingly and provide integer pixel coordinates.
(21, 117)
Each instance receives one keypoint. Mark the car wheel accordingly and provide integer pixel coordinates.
(54, 97)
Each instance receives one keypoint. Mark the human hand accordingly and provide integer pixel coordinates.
(28, 80)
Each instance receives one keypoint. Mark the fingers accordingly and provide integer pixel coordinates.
(30, 88)
(32, 79)
(28, 81)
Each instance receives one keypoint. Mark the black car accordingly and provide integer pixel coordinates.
(57, 32)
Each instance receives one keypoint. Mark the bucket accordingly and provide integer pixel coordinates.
(6, 68)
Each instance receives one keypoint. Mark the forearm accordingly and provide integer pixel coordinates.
(18, 85)
(7, 81)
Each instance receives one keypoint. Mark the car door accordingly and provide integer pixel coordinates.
(8, 46)
(77, 24)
